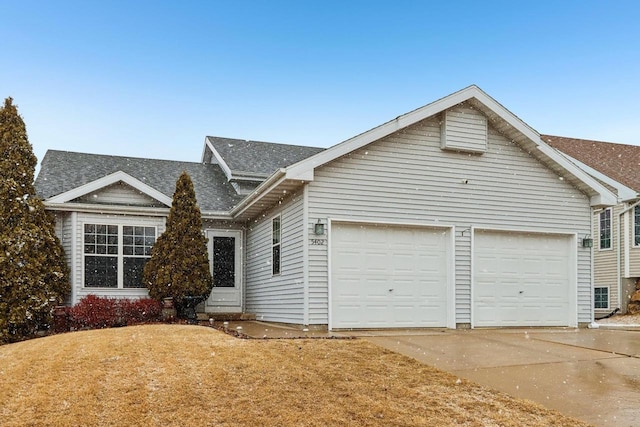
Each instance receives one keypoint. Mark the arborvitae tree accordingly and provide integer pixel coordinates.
(179, 263)
(33, 273)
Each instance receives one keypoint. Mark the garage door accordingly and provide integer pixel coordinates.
(522, 279)
(389, 276)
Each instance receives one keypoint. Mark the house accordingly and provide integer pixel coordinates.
(456, 214)
(616, 229)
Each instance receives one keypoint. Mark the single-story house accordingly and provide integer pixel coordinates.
(616, 229)
(456, 214)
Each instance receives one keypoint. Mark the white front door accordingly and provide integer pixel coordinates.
(225, 262)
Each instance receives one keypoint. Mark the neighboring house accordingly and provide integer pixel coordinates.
(616, 230)
(456, 214)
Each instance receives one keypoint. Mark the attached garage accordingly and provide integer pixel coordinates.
(523, 279)
(390, 276)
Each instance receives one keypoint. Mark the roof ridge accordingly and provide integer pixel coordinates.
(263, 142)
(123, 157)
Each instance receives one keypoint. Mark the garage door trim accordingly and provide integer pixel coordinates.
(573, 270)
(451, 270)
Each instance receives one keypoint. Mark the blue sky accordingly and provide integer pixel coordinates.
(153, 78)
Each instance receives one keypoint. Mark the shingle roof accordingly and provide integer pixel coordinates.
(259, 157)
(620, 162)
(62, 171)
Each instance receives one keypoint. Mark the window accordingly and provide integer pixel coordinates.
(136, 251)
(601, 297)
(114, 255)
(276, 245)
(605, 229)
(101, 256)
(636, 226)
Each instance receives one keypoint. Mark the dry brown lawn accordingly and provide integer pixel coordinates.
(179, 375)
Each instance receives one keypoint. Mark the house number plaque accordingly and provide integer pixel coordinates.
(318, 242)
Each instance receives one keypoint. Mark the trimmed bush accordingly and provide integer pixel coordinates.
(93, 312)
(141, 310)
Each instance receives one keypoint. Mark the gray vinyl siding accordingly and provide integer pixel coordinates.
(63, 230)
(119, 194)
(79, 291)
(276, 298)
(464, 129)
(634, 250)
(406, 177)
(605, 260)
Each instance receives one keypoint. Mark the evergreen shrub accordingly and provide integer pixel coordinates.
(179, 263)
(34, 276)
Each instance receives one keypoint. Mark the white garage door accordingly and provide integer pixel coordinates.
(522, 279)
(389, 276)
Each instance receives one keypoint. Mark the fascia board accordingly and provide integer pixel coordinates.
(624, 193)
(106, 181)
(204, 149)
(107, 209)
(605, 196)
(223, 165)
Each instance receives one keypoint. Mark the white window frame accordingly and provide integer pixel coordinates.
(275, 245)
(636, 226)
(119, 256)
(608, 288)
(604, 211)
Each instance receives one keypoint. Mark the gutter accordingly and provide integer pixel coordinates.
(135, 210)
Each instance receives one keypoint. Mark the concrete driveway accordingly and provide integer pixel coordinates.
(590, 374)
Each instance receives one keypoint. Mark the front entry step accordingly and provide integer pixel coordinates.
(226, 316)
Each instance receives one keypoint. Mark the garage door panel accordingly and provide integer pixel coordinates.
(401, 272)
(521, 279)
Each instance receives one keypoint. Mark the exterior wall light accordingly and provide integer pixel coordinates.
(587, 241)
(318, 228)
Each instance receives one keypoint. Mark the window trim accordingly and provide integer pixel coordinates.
(608, 288)
(120, 256)
(610, 247)
(636, 227)
(276, 245)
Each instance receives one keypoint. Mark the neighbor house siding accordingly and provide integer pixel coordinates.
(79, 290)
(406, 177)
(633, 259)
(276, 298)
(605, 260)
(119, 194)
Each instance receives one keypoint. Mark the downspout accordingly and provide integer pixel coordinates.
(619, 251)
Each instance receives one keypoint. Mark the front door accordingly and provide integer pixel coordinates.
(225, 261)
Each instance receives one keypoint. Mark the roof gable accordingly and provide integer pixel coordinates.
(107, 181)
(500, 118)
(62, 172)
(285, 180)
(253, 160)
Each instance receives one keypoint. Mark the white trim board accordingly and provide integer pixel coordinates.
(109, 180)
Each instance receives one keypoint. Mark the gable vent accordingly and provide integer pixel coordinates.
(464, 129)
